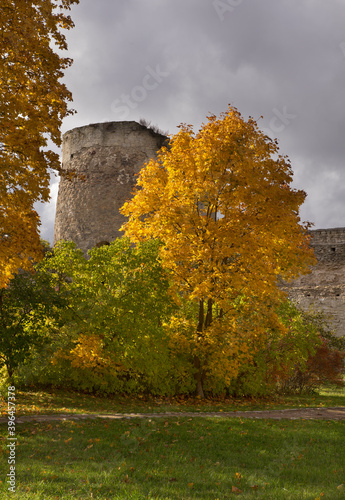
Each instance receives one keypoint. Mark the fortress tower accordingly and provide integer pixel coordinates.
(99, 163)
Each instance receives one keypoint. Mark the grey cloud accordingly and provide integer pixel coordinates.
(263, 57)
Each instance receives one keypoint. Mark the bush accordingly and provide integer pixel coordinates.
(305, 357)
(325, 367)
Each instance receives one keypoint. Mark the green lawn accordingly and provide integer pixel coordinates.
(174, 458)
(178, 458)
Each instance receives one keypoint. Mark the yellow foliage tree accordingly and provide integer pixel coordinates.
(32, 106)
(221, 203)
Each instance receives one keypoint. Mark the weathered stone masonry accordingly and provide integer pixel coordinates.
(100, 162)
(324, 288)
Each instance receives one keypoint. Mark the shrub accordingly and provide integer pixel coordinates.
(325, 367)
(305, 357)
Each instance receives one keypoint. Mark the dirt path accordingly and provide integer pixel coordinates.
(294, 414)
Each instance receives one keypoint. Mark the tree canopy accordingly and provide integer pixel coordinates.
(32, 106)
(222, 204)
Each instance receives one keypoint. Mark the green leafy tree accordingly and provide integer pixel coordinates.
(118, 301)
(28, 312)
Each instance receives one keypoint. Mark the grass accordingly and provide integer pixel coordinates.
(178, 459)
(33, 401)
(174, 458)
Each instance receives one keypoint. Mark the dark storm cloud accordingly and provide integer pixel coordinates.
(174, 61)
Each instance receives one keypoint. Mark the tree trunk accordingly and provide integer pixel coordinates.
(10, 373)
(199, 391)
(9, 369)
(208, 319)
(196, 361)
(200, 326)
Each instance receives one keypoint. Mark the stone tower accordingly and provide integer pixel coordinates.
(100, 162)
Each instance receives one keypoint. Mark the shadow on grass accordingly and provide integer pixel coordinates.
(35, 401)
(179, 459)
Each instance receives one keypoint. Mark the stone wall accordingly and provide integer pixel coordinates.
(99, 164)
(324, 288)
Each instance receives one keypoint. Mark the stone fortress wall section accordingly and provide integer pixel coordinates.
(99, 165)
(324, 288)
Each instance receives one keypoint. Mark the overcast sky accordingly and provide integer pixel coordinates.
(174, 61)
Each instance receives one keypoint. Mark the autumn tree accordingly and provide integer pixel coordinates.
(222, 204)
(32, 106)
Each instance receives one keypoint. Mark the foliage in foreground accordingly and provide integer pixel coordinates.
(179, 458)
(118, 334)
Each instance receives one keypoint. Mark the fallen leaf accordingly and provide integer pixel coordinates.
(236, 490)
